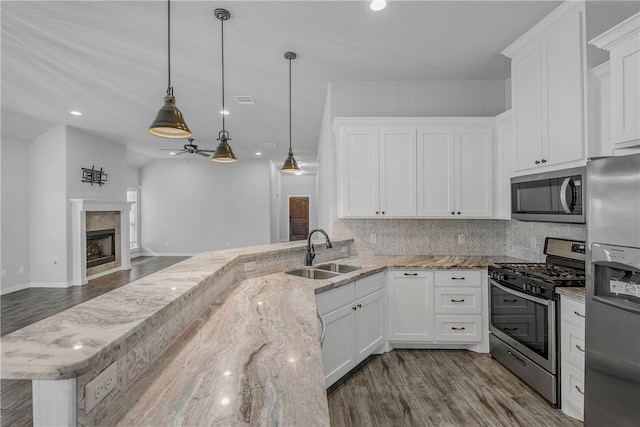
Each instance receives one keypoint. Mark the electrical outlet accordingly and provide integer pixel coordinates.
(373, 238)
(249, 266)
(461, 239)
(100, 386)
(21, 269)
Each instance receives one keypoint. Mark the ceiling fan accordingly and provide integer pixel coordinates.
(189, 148)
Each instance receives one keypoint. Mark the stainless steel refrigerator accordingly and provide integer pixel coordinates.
(612, 378)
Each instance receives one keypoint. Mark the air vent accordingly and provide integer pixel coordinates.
(245, 99)
(269, 145)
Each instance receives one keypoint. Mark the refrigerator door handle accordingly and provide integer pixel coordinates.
(566, 207)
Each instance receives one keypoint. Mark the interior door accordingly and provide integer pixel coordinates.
(298, 218)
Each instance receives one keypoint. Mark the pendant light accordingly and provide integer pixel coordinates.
(223, 153)
(290, 165)
(169, 122)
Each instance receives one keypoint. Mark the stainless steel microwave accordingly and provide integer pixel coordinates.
(556, 196)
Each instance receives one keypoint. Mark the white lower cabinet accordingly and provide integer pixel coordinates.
(572, 348)
(355, 323)
(441, 307)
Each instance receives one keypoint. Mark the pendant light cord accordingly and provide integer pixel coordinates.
(222, 39)
(289, 105)
(169, 88)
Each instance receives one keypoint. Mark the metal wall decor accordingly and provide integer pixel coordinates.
(94, 176)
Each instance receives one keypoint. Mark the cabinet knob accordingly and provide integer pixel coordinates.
(537, 162)
(377, 213)
(544, 160)
(353, 308)
(453, 213)
(458, 213)
(359, 305)
(382, 212)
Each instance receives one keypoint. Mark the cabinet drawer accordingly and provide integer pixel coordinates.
(369, 285)
(458, 300)
(572, 311)
(573, 389)
(333, 299)
(573, 344)
(459, 328)
(459, 277)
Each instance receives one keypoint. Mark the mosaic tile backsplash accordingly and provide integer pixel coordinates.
(518, 239)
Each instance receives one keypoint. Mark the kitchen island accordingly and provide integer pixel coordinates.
(251, 356)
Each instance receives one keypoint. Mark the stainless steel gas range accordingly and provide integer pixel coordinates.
(524, 313)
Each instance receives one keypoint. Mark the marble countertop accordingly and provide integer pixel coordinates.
(577, 294)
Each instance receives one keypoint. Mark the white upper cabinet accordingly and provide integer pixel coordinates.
(548, 86)
(623, 43)
(377, 172)
(415, 167)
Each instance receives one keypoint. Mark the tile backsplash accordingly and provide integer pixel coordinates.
(423, 236)
(525, 240)
(519, 239)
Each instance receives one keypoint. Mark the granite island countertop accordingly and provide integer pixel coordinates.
(257, 354)
(253, 356)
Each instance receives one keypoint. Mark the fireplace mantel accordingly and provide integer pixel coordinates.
(79, 207)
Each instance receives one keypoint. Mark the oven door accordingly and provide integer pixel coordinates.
(524, 322)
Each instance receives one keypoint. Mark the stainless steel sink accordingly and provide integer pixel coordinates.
(312, 273)
(338, 268)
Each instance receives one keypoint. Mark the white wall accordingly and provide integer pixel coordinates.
(193, 205)
(327, 179)
(85, 150)
(48, 208)
(274, 202)
(297, 185)
(15, 218)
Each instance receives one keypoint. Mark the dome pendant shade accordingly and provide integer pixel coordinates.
(290, 165)
(169, 122)
(224, 153)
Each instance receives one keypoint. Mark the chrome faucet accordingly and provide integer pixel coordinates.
(311, 253)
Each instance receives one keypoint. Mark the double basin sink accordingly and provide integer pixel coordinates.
(323, 271)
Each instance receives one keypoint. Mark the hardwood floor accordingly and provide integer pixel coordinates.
(439, 388)
(23, 308)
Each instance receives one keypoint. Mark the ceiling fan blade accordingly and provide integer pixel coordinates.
(206, 151)
(179, 153)
(170, 149)
(202, 154)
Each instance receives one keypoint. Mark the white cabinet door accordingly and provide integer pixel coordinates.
(625, 92)
(474, 173)
(504, 167)
(338, 347)
(526, 98)
(359, 172)
(563, 82)
(436, 157)
(410, 306)
(370, 324)
(397, 172)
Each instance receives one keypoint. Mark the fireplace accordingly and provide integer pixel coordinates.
(101, 247)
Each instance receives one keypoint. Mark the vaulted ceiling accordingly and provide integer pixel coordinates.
(108, 59)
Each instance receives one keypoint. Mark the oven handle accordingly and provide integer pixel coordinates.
(520, 294)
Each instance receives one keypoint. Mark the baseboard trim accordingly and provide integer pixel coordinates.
(14, 288)
(50, 284)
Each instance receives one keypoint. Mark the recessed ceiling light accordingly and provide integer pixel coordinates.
(225, 112)
(258, 153)
(172, 153)
(75, 113)
(377, 5)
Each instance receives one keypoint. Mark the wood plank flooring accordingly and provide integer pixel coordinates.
(439, 388)
(23, 308)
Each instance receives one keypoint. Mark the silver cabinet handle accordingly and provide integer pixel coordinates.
(579, 390)
(579, 348)
(457, 300)
(578, 314)
(324, 327)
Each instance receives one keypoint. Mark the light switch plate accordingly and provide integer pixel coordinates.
(100, 386)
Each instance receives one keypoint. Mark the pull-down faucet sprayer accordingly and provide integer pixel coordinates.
(311, 253)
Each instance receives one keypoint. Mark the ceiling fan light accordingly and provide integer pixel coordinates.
(169, 122)
(290, 165)
(224, 153)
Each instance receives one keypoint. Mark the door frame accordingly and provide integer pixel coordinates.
(289, 197)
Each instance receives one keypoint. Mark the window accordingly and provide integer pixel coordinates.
(132, 196)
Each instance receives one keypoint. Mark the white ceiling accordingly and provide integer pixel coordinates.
(108, 60)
